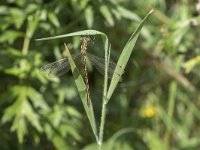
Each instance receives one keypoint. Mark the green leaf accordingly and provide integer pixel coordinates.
(128, 14)
(80, 84)
(32, 25)
(54, 20)
(72, 111)
(16, 111)
(154, 141)
(28, 112)
(111, 142)
(59, 142)
(21, 111)
(124, 57)
(79, 33)
(10, 36)
(14, 52)
(116, 13)
(19, 125)
(3, 10)
(89, 16)
(17, 17)
(190, 64)
(83, 3)
(37, 99)
(107, 15)
(12, 110)
(13, 71)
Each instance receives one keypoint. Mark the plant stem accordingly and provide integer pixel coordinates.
(26, 44)
(104, 101)
(103, 117)
(172, 98)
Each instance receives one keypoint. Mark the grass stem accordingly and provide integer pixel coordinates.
(103, 117)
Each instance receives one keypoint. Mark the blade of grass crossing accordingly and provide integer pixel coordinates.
(84, 32)
(80, 84)
(124, 57)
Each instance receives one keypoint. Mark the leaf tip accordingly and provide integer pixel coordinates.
(151, 11)
(37, 39)
(66, 49)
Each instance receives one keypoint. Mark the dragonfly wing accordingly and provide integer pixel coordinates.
(56, 68)
(59, 67)
(99, 64)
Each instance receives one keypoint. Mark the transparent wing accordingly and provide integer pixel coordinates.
(99, 64)
(60, 67)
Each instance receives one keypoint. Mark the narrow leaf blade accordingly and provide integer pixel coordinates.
(84, 32)
(124, 57)
(80, 84)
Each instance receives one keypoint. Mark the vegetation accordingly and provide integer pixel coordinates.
(154, 106)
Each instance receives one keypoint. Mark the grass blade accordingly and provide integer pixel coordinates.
(124, 57)
(80, 84)
(84, 32)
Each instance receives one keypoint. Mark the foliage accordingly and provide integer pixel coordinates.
(156, 103)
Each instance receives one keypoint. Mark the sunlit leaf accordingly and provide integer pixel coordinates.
(21, 111)
(89, 16)
(37, 99)
(53, 18)
(10, 36)
(107, 15)
(190, 64)
(128, 14)
(20, 126)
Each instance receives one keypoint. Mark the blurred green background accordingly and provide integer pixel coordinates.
(155, 106)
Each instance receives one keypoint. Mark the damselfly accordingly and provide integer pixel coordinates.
(62, 66)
